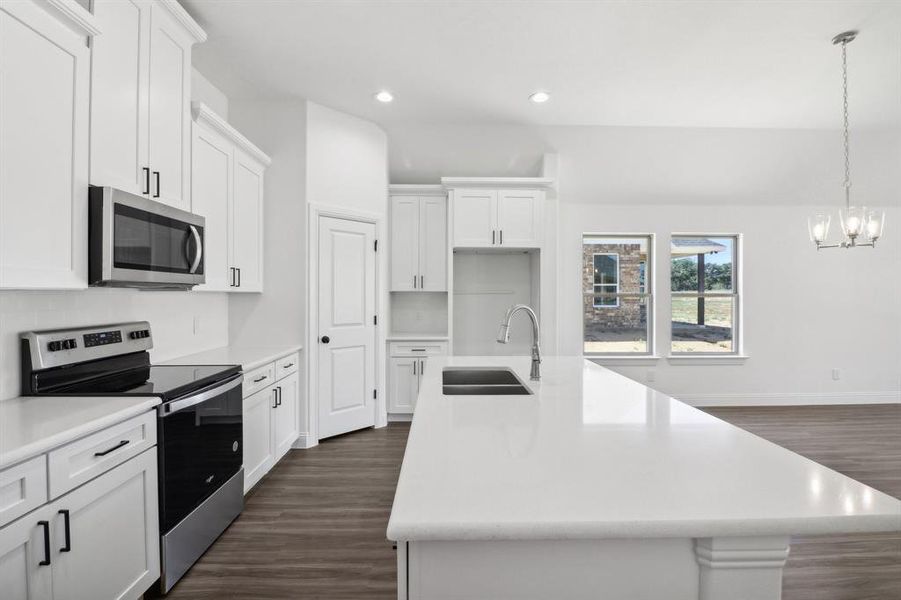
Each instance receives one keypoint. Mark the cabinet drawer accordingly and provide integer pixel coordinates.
(82, 460)
(258, 379)
(417, 348)
(22, 488)
(286, 365)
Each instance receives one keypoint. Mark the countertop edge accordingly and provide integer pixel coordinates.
(62, 438)
(260, 355)
(698, 528)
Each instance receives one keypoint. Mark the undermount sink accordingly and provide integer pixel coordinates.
(482, 382)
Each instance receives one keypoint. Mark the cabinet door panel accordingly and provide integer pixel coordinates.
(211, 184)
(114, 534)
(119, 79)
(518, 218)
(43, 150)
(404, 243)
(433, 244)
(475, 218)
(284, 416)
(257, 436)
(247, 223)
(403, 384)
(169, 111)
(21, 550)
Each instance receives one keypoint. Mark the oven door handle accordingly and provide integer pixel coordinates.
(173, 407)
(198, 245)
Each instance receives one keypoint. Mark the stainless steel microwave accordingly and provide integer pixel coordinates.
(137, 242)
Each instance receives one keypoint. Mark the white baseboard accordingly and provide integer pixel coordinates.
(791, 398)
(303, 441)
(399, 418)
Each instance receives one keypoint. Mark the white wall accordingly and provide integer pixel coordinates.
(277, 315)
(172, 316)
(202, 90)
(761, 183)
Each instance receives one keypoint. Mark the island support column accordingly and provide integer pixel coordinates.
(741, 568)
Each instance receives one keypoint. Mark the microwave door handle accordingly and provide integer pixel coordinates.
(199, 245)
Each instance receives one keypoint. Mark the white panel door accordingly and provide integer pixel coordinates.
(518, 218)
(247, 224)
(119, 80)
(475, 218)
(169, 110)
(257, 429)
(44, 89)
(403, 384)
(433, 244)
(284, 416)
(210, 197)
(346, 352)
(113, 534)
(404, 243)
(22, 549)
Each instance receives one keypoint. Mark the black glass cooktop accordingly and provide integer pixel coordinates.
(166, 381)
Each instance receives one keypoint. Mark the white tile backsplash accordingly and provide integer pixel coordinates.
(171, 316)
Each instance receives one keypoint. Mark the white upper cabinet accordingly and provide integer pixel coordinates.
(247, 223)
(44, 111)
(497, 218)
(227, 183)
(211, 174)
(140, 95)
(418, 243)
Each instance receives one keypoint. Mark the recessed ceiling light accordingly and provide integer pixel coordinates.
(539, 97)
(384, 96)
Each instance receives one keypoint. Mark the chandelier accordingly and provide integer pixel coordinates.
(861, 227)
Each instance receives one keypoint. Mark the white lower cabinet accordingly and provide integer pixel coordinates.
(407, 364)
(99, 541)
(270, 416)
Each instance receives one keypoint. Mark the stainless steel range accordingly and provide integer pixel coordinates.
(199, 426)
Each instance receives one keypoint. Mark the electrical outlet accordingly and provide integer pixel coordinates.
(196, 324)
(836, 374)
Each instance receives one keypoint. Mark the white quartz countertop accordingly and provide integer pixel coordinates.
(593, 454)
(249, 357)
(32, 425)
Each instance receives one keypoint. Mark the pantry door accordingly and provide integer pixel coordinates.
(346, 320)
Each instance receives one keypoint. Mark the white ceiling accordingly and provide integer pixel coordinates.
(664, 63)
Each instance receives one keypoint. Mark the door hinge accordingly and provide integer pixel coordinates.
(375, 246)
(375, 394)
(375, 319)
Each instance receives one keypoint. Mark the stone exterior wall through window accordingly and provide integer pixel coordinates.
(630, 314)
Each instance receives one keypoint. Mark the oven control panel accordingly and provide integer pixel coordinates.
(103, 337)
(59, 347)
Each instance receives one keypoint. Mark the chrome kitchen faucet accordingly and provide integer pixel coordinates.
(503, 336)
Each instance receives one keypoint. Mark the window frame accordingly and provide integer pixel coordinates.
(648, 295)
(606, 285)
(734, 294)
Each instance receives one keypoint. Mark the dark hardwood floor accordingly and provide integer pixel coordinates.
(315, 526)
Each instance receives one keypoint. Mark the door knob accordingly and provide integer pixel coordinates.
(326, 339)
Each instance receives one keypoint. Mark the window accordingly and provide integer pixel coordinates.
(617, 307)
(606, 279)
(705, 294)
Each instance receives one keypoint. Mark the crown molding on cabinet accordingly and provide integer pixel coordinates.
(77, 15)
(498, 182)
(416, 189)
(204, 114)
(182, 16)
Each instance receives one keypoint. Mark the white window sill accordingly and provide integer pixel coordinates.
(707, 359)
(622, 359)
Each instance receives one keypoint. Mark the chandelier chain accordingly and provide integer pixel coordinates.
(847, 139)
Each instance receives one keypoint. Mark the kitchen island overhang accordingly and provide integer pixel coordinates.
(596, 482)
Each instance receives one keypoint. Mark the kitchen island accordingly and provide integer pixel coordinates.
(596, 486)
